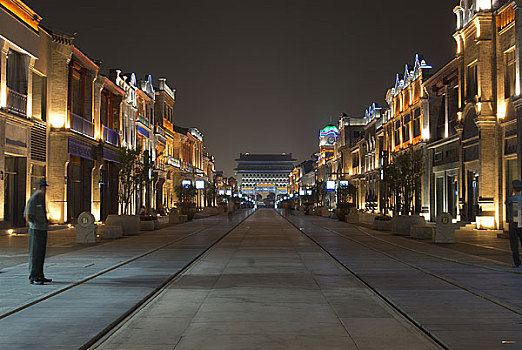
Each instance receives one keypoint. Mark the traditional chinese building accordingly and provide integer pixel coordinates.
(23, 108)
(264, 174)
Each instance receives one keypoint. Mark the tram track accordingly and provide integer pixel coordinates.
(97, 340)
(124, 263)
(128, 317)
(385, 299)
(365, 232)
(438, 276)
(388, 300)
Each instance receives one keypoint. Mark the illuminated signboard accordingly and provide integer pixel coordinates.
(229, 192)
(186, 183)
(330, 130)
(330, 185)
(221, 192)
(200, 184)
(343, 183)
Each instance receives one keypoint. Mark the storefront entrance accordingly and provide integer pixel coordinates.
(15, 191)
(79, 175)
(109, 190)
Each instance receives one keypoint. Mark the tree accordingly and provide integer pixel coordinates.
(145, 180)
(129, 174)
(346, 194)
(402, 177)
(210, 195)
(185, 194)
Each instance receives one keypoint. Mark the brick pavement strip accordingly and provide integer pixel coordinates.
(76, 315)
(266, 286)
(456, 317)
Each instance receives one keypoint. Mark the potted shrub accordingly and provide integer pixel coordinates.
(402, 177)
(147, 222)
(129, 176)
(188, 209)
(382, 223)
(342, 210)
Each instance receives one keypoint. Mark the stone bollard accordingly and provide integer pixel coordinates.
(444, 230)
(86, 228)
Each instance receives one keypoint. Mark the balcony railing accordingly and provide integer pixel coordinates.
(16, 103)
(160, 130)
(143, 120)
(111, 136)
(82, 125)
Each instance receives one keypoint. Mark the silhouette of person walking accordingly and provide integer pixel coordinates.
(36, 215)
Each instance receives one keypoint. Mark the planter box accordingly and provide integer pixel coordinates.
(325, 213)
(352, 218)
(130, 224)
(381, 225)
(401, 224)
(175, 218)
(147, 225)
(422, 232)
(366, 219)
(109, 232)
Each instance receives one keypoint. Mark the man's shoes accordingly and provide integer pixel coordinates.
(37, 282)
(516, 265)
(46, 279)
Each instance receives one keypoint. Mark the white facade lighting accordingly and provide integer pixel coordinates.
(330, 185)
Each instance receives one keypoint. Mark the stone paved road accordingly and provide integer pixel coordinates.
(267, 286)
(457, 318)
(72, 318)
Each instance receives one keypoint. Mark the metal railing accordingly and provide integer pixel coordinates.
(82, 125)
(160, 130)
(111, 136)
(16, 102)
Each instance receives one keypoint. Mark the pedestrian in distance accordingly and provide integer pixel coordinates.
(36, 215)
(514, 216)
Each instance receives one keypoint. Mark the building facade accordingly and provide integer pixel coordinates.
(63, 120)
(264, 176)
(23, 112)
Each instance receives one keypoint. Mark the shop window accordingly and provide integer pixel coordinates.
(17, 71)
(510, 73)
(39, 97)
(472, 81)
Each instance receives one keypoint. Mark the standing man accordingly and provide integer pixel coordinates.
(514, 216)
(36, 215)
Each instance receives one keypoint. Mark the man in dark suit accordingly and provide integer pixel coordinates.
(514, 216)
(36, 215)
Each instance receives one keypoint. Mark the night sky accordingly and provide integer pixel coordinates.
(260, 76)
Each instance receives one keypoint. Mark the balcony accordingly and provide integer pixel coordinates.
(82, 125)
(111, 136)
(143, 120)
(160, 131)
(16, 103)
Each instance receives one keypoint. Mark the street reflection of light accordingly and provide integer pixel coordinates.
(10, 231)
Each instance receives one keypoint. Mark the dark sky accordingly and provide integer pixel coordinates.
(264, 75)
